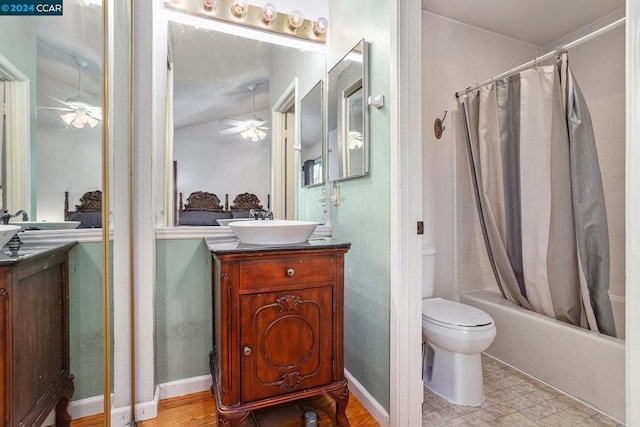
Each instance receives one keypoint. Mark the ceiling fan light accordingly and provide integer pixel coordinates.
(92, 121)
(68, 117)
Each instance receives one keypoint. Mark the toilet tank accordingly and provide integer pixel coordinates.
(428, 270)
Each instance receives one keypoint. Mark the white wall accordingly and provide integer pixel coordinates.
(220, 164)
(68, 159)
(455, 56)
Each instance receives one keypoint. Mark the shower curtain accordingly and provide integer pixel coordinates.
(539, 194)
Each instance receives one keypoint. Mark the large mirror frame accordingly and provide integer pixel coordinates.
(207, 125)
(348, 115)
(312, 136)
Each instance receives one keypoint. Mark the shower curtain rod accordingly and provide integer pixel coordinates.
(546, 56)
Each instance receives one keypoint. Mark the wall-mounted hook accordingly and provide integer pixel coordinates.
(438, 125)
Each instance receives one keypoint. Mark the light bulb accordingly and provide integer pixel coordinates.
(240, 7)
(320, 26)
(296, 19)
(269, 13)
(208, 4)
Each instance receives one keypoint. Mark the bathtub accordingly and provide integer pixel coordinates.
(583, 364)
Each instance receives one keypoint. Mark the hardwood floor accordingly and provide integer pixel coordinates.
(199, 409)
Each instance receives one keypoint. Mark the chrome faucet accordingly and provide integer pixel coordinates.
(6, 216)
(261, 214)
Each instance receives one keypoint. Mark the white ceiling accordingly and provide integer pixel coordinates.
(539, 22)
(212, 72)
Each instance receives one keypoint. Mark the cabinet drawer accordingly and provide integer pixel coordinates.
(286, 271)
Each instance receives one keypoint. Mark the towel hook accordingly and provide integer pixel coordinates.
(438, 125)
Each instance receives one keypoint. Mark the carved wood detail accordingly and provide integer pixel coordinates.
(245, 202)
(288, 303)
(202, 201)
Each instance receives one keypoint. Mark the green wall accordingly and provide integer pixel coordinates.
(364, 213)
(85, 319)
(183, 333)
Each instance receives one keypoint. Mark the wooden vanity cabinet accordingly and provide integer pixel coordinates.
(34, 339)
(278, 328)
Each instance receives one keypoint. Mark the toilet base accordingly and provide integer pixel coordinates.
(456, 377)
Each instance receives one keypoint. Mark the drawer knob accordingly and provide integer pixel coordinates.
(290, 272)
(246, 350)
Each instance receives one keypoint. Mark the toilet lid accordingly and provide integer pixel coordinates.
(454, 313)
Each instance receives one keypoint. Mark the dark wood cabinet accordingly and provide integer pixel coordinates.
(278, 327)
(34, 339)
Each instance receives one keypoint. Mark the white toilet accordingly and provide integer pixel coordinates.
(456, 334)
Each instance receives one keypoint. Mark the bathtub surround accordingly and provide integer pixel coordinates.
(539, 194)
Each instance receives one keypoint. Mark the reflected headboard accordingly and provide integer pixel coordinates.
(201, 201)
(244, 202)
(201, 208)
(88, 212)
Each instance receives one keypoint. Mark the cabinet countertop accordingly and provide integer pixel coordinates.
(235, 247)
(32, 252)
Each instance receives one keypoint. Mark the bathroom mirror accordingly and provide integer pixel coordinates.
(53, 135)
(52, 70)
(222, 109)
(348, 117)
(312, 136)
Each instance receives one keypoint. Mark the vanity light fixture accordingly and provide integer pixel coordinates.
(320, 26)
(265, 17)
(295, 20)
(239, 8)
(269, 13)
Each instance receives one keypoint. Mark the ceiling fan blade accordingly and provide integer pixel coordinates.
(55, 108)
(61, 102)
(231, 131)
(232, 122)
(95, 113)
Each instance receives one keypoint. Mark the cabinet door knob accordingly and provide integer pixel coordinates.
(290, 272)
(246, 350)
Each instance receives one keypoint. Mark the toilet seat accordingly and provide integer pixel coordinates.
(454, 315)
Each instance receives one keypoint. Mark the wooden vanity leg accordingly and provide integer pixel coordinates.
(232, 419)
(63, 419)
(342, 399)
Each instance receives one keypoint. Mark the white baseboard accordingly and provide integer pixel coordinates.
(119, 416)
(148, 410)
(367, 400)
(144, 410)
(185, 386)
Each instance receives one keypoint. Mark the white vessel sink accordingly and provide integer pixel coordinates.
(7, 232)
(228, 221)
(47, 225)
(273, 232)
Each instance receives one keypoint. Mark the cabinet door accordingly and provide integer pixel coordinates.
(285, 340)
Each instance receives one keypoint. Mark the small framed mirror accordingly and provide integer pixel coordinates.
(348, 117)
(312, 137)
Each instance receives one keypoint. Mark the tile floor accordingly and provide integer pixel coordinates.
(512, 399)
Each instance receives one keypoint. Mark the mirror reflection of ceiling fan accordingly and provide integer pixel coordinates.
(77, 110)
(252, 128)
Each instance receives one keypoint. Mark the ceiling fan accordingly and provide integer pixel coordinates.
(77, 110)
(252, 128)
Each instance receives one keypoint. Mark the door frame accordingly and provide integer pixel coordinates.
(279, 167)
